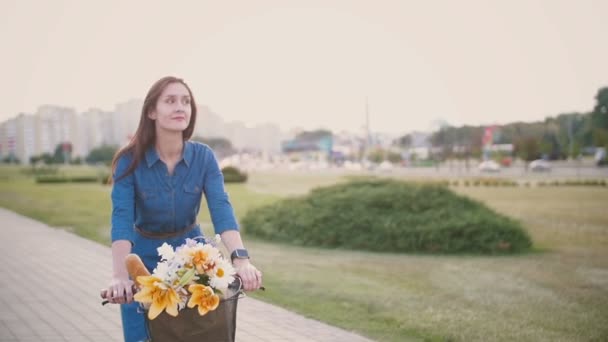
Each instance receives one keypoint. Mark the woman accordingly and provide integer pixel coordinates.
(158, 181)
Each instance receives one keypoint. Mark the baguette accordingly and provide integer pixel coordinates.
(135, 266)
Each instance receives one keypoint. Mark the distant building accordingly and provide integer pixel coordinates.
(55, 125)
(264, 138)
(125, 119)
(311, 147)
(99, 128)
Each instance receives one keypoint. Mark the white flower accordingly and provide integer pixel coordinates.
(166, 251)
(212, 252)
(182, 257)
(222, 275)
(162, 270)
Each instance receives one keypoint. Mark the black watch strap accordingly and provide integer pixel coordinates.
(239, 254)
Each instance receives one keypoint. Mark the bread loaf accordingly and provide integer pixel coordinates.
(135, 266)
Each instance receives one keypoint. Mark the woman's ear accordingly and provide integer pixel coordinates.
(152, 115)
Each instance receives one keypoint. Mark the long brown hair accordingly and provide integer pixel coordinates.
(145, 135)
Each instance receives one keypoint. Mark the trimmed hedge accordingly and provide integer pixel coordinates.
(233, 175)
(64, 179)
(388, 215)
(39, 171)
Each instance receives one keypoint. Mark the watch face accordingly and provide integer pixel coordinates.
(240, 253)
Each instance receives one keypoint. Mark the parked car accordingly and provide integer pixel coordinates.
(540, 165)
(488, 166)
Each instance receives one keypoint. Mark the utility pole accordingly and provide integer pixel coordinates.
(367, 132)
(367, 140)
(570, 137)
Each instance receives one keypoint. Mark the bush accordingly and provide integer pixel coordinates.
(64, 179)
(233, 175)
(84, 179)
(39, 171)
(52, 179)
(387, 215)
(105, 179)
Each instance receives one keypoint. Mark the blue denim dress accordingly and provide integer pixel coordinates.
(156, 202)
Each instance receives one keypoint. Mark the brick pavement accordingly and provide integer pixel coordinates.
(47, 294)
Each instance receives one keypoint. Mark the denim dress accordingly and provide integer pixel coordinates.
(156, 202)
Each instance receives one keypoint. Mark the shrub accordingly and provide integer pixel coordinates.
(64, 179)
(387, 215)
(233, 175)
(39, 171)
(52, 179)
(84, 179)
(104, 178)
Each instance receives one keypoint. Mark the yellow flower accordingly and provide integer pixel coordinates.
(203, 260)
(204, 297)
(161, 296)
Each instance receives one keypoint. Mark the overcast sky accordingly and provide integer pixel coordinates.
(312, 63)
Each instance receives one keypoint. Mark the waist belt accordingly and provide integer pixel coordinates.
(164, 235)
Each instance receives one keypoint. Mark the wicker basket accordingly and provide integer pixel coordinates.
(218, 325)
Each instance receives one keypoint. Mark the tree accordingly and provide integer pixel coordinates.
(394, 157)
(528, 148)
(405, 141)
(63, 152)
(11, 159)
(376, 156)
(47, 158)
(601, 105)
(102, 154)
(599, 118)
(35, 159)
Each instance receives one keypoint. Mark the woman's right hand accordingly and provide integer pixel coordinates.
(120, 291)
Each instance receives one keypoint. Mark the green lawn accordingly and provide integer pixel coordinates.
(558, 292)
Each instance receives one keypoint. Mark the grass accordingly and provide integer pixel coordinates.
(557, 292)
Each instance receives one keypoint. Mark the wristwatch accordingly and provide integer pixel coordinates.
(239, 254)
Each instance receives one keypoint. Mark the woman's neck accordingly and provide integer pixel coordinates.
(169, 146)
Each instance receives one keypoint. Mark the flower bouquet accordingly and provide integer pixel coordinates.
(191, 295)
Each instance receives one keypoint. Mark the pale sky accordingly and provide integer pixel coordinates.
(312, 63)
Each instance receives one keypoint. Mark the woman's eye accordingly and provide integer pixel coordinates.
(170, 100)
(186, 101)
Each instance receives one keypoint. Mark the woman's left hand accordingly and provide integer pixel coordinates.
(251, 276)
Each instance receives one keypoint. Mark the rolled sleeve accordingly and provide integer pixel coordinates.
(123, 202)
(218, 202)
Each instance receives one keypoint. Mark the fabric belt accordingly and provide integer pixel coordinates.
(164, 235)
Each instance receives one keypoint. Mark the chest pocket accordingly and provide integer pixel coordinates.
(193, 189)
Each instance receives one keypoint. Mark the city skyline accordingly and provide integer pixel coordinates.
(313, 64)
